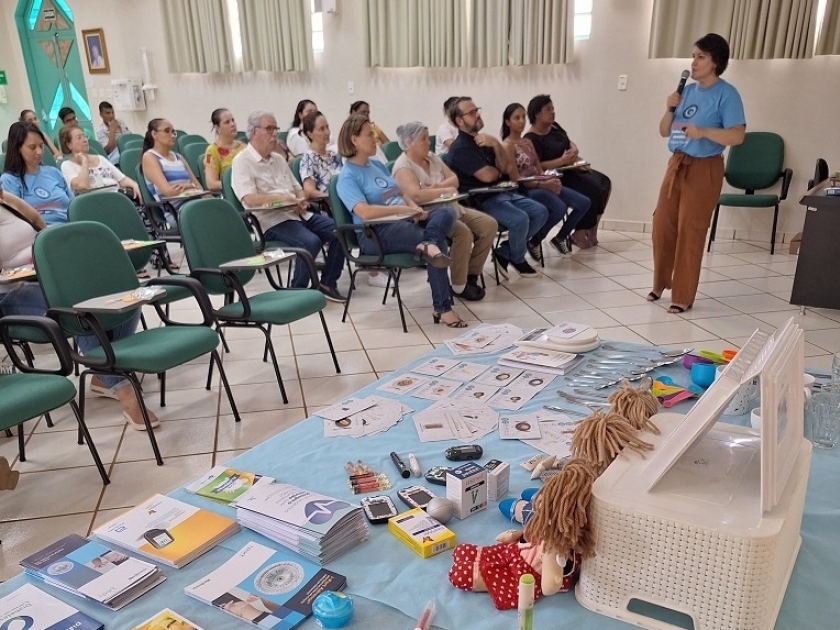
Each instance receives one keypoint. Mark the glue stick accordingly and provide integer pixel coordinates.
(526, 603)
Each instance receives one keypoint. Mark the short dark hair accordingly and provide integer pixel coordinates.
(455, 108)
(535, 106)
(17, 136)
(24, 113)
(105, 105)
(308, 124)
(354, 107)
(716, 46)
(64, 112)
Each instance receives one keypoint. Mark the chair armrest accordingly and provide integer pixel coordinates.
(787, 176)
(232, 281)
(307, 259)
(254, 224)
(54, 334)
(370, 232)
(194, 287)
(86, 321)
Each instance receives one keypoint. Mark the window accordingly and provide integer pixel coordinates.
(317, 26)
(235, 34)
(583, 18)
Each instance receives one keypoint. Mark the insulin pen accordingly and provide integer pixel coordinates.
(425, 620)
(400, 465)
(525, 617)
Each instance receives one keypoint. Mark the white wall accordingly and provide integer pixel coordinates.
(615, 130)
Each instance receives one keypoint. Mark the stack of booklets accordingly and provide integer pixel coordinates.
(225, 484)
(317, 527)
(30, 608)
(548, 361)
(564, 337)
(166, 619)
(269, 588)
(168, 531)
(91, 570)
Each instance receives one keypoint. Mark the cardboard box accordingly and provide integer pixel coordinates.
(466, 487)
(424, 535)
(498, 479)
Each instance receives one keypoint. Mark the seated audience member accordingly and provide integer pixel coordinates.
(85, 171)
(166, 173)
(423, 176)
(295, 140)
(558, 199)
(318, 164)
(261, 177)
(369, 192)
(42, 187)
(27, 115)
(556, 150)
(19, 223)
(447, 132)
(479, 160)
(220, 153)
(363, 108)
(109, 131)
(68, 118)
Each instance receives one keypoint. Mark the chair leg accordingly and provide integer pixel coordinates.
(542, 256)
(224, 341)
(82, 400)
(209, 375)
(399, 301)
(138, 393)
(76, 350)
(267, 341)
(214, 356)
(714, 228)
(270, 348)
(9, 433)
(329, 341)
(773, 233)
(91, 446)
(162, 377)
(29, 356)
(21, 450)
(143, 322)
(349, 295)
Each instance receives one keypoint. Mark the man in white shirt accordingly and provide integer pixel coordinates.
(263, 183)
(108, 132)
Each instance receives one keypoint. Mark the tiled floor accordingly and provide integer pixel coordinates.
(742, 288)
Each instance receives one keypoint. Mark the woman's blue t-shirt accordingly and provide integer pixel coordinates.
(46, 191)
(372, 184)
(718, 106)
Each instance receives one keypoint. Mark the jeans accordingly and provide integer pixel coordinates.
(25, 298)
(557, 206)
(309, 234)
(403, 237)
(521, 216)
(89, 342)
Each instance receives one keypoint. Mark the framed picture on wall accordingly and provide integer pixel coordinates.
(97, 54)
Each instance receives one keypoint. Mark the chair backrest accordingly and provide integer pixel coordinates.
(820, 173)
(79, 261)
(3, 146)
(757, 163)
(392, 150)
(130, 158)
(390, 166)
(281, 136)
(96, 148)
(295, 166)
(118, 213)
(193, 154)
(127, 140)
(341, 215)
(432, 143)
(48, 160)
(189, 138)
(227, 191)
(213, 233)
(242, 136)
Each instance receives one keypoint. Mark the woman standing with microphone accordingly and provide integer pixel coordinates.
(699, 124)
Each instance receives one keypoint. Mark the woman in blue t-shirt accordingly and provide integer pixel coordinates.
(367, 189)
(42, 187)
(699, 125)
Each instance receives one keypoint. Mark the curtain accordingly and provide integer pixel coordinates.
(828, 40)
(755, 29)
(412, 33)
(196, 36)
(276, 35)
(541, 32)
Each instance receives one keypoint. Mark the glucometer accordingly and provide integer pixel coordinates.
(463, 453)
(437, 475)
(378, 509)
(415, 496)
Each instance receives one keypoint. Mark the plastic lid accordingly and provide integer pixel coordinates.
(332, 609)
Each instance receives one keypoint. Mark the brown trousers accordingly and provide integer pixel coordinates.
(689, 194)
(472, 237)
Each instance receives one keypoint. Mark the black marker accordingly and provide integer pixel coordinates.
(404, 472)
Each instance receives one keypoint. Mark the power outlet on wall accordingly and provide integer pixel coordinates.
(351, 87)
(622, 82)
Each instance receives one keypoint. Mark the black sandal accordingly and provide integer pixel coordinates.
(439, 260)
(652, 297)
(675, 309)
(458, 323)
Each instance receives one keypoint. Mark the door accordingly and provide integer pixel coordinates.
(53, 64)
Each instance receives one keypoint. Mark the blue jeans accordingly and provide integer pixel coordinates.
(309, 235)
(521, 216)
(126, 329)
(557, 206)
(25, 298)
(404, 237)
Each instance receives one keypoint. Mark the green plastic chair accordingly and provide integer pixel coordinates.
(188, 139)
(48, 160)
(214, 234)
(393, 264)
(131, 163)
(294, 165)
(755, 164)
(242, 136)
(33, 392)
(432, 143)
(392, 150)
(70, 260)
(129, 140)
(282, 135)
(97, 148)
(390, 166)
(193, 154)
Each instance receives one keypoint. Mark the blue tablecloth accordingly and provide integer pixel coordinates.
(390, 584)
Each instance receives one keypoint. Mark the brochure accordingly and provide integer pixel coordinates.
(167, 619)
(268, 588)
(31, 608)
(542, 360)
(225, 484)
(168, 531)
(91, 570)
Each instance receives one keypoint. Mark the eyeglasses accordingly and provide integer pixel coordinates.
(270, 129)
(473, 112)
(168, 130)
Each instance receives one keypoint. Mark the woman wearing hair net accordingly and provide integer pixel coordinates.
(423, 176)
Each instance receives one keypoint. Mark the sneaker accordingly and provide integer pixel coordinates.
(563, 246)
(332, 294)
(471, 293)
(379, 280)
(535, 250)
(525, 270)
(502, 263)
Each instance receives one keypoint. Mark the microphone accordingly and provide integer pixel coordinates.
(681, 86)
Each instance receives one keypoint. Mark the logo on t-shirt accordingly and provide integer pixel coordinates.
(42, 193)
(690, 111)
(381, 182)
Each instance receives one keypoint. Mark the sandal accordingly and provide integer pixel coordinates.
(676, 309)
(140, 426)
(652, 297)
(439, 260)
(458, 323)
(143, 275)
